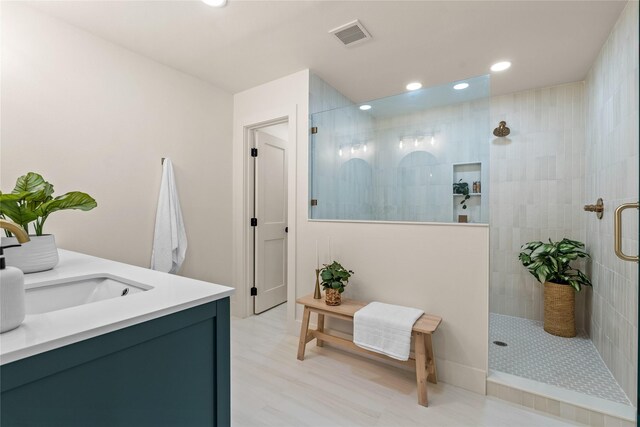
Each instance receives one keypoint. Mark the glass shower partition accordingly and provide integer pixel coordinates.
(397, 158)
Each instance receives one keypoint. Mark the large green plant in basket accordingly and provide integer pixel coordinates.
(32, 201)
(551, 262)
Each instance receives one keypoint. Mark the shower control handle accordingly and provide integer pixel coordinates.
(598, 208)
(593, 208)
(617, 232)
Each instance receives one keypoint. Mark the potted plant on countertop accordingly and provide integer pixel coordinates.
(334, 279)
(32, 201)
(462, 188)
(549, 263)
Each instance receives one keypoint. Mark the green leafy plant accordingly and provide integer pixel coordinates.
(550, 262)
(335, 276)
(32, 201)
(463, 189)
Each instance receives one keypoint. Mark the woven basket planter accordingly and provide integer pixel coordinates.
(332, 296)
(559, 310)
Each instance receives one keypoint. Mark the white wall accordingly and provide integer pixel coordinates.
(612, 173)
(442, 269)
(286, 97)
(95, 117)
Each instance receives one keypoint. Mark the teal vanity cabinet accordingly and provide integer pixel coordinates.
(170, 371)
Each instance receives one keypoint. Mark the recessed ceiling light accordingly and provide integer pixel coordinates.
(461, 86)
(414, 86)
(500, 66)
(215, 3)
(365, 107)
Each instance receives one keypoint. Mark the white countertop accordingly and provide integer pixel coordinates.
(47, 331)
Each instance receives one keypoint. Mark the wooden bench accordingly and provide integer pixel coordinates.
(422, 360)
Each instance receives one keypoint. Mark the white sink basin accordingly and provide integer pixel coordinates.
(70, 292)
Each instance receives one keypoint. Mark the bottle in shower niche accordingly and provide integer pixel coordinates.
(475, 187)
(479, 189)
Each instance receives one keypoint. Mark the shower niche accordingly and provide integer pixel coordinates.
(467, 192)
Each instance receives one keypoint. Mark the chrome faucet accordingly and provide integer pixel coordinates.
(17, 231)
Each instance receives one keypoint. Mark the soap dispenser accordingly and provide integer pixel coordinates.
(11, 296)
(12, 310)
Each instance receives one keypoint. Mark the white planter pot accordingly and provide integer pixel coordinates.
(39, 254)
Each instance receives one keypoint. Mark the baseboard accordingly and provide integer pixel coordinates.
(462, 376)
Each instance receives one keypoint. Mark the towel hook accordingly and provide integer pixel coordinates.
(162, 160)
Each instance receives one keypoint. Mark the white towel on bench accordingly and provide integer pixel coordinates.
(385, 328)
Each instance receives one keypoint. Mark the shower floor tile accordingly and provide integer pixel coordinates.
(570, 363)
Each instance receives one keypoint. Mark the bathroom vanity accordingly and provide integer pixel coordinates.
(109, 344)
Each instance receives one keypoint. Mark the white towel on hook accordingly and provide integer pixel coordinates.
(169, 236)
(385, 328)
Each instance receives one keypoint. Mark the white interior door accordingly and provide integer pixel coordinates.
(270, 260)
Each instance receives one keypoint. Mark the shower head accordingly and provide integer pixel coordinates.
(502, 129)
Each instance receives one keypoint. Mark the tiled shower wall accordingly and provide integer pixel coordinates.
(323, 152)
(388, 182)
(536, 189)
(612, 173)
(323, 96)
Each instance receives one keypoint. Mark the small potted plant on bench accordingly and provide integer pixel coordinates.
(549, 264)
(334, 278)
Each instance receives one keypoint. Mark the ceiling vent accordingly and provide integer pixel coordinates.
(352, 33)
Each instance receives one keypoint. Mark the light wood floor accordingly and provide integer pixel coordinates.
(270, 387)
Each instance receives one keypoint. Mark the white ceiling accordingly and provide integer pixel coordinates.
(248, 43)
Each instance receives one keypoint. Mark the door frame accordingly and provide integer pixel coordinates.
(253, 205)
(243, 208)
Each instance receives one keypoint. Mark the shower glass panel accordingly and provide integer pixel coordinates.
(396, 158)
